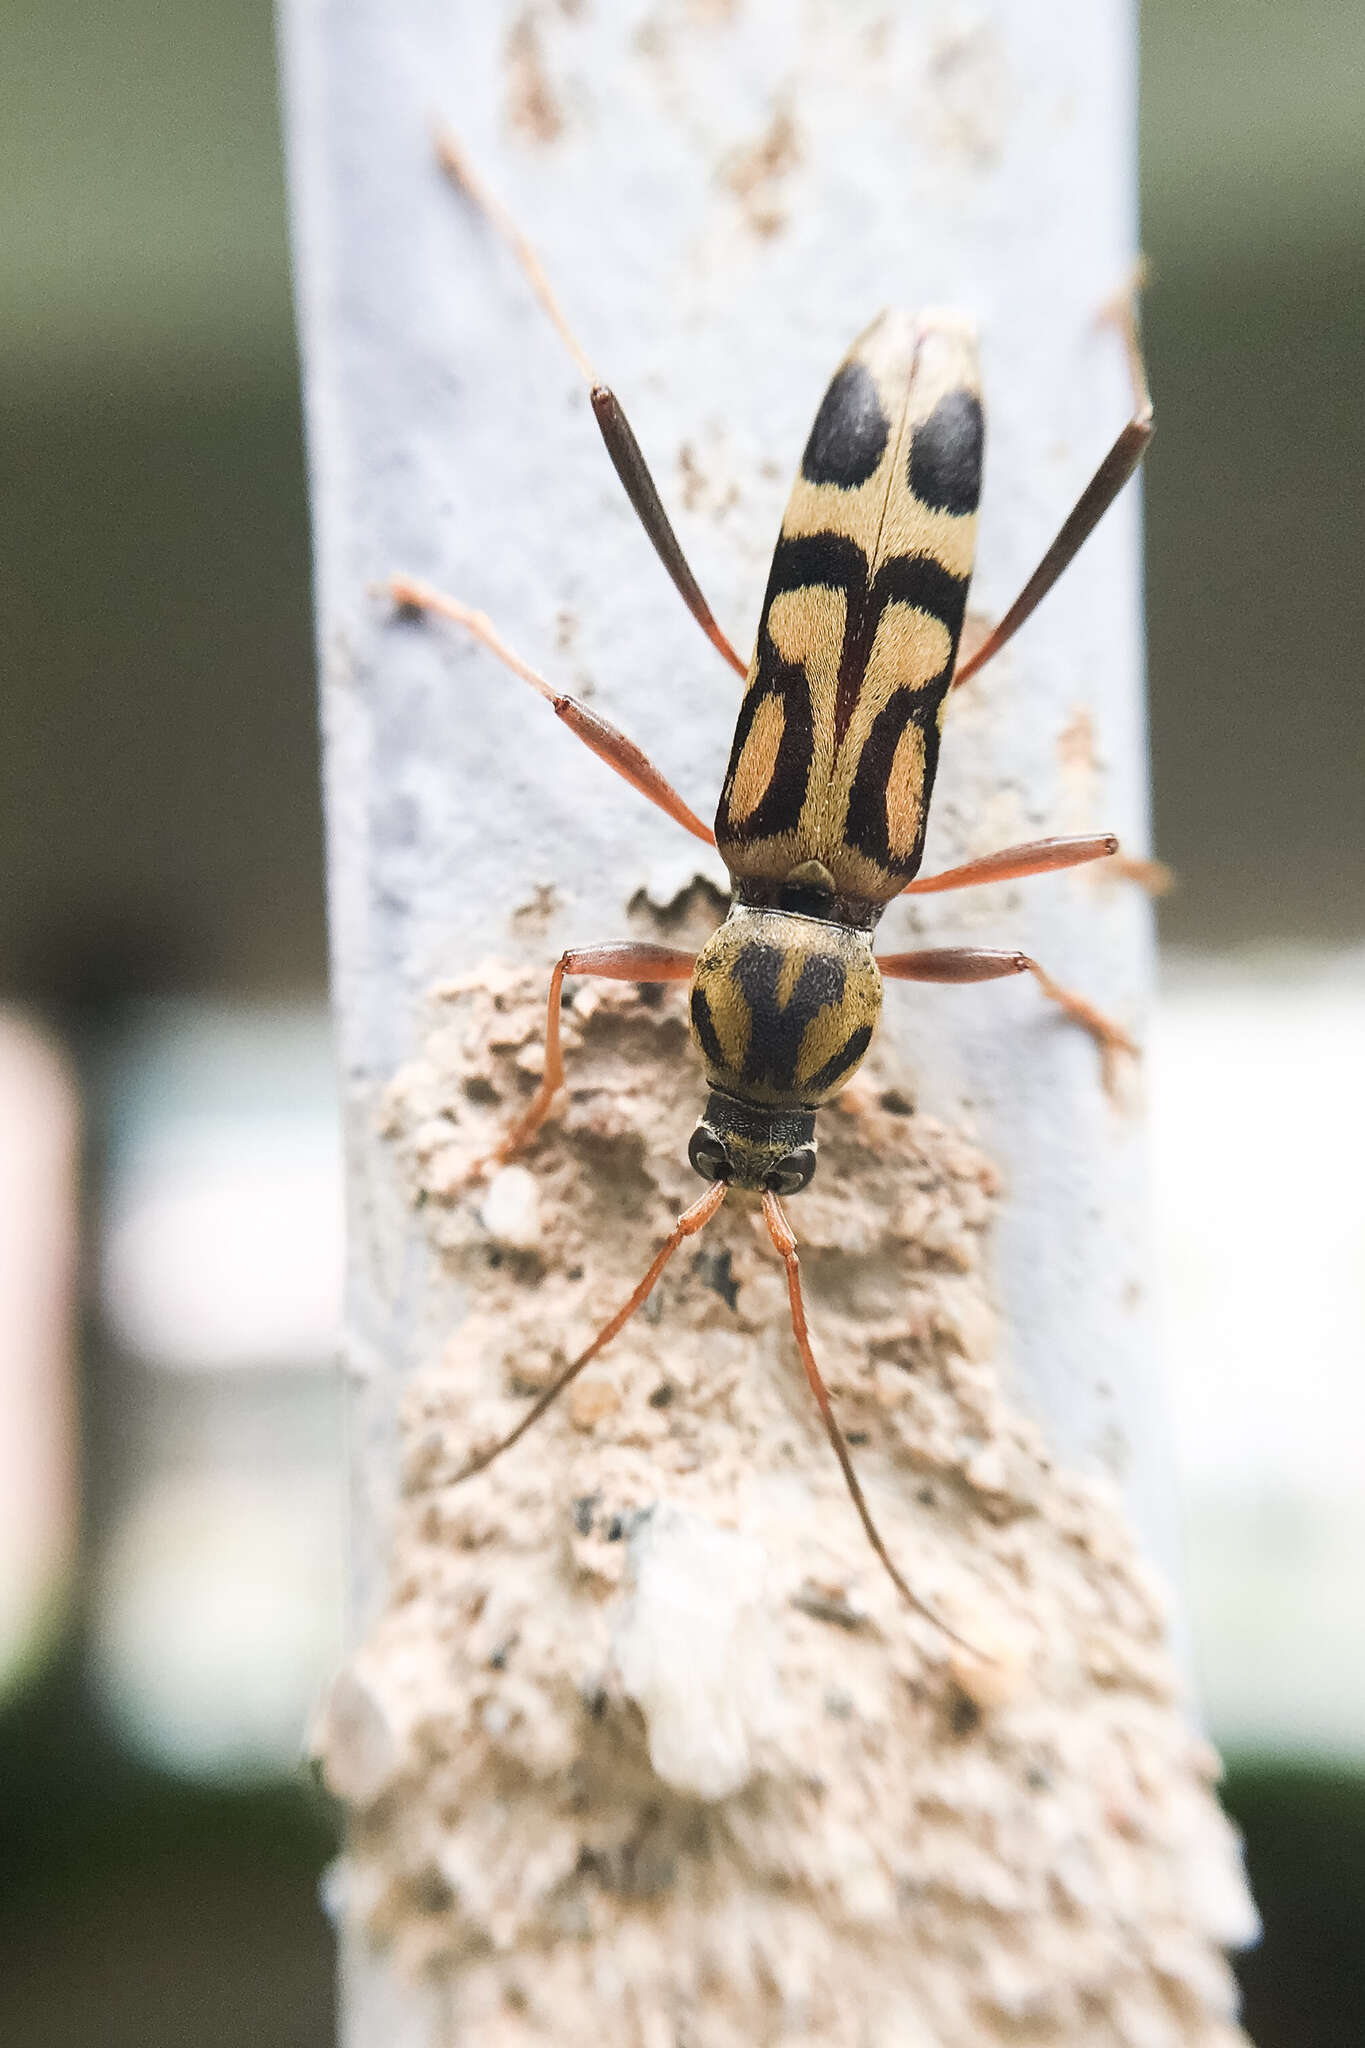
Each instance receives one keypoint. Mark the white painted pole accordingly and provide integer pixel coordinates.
(637, 1743)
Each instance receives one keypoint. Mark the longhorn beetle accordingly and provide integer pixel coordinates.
(822, 815)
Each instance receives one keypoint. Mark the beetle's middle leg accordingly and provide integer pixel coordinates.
(606, 740)
(1037, 857)
(1045, 857)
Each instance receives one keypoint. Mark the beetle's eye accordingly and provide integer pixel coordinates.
(794, 1172)
(708, 1155)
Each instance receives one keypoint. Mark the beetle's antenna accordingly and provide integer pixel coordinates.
(688, 1224)
(784, 1242)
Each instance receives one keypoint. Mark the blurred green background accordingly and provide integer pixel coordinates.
(160, 830)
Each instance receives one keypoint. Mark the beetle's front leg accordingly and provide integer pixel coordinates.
(989, 963)
(619, 960)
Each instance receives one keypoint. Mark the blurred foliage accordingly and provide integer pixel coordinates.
(1251, 129)
(160, 823)
(1304, 1986)
(144, 219)
(138, 1911)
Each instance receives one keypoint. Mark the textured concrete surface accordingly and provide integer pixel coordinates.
(724, 194)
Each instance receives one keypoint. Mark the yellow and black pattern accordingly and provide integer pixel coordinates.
(784, 1007)
(837, 742)
(783, 1010)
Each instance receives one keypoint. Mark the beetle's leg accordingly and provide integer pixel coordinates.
(1043, 857)
(1038, 857)
(1094, 501)
(618, 960)
(986, 963)
(1149, 874)
(626, 456)
(606, 740)
(688, 1224)
(784, 1243)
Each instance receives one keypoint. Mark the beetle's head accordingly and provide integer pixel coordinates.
(754, 1147)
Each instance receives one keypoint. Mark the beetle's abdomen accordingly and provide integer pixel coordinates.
(784, 1007)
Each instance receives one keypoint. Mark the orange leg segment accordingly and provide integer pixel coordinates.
(985, 963)
(1037, 857)
(618, 960)
(627, 458)
(607, 741)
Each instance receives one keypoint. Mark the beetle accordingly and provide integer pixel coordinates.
(822, 814)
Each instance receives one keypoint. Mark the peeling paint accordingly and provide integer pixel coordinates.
(622, 1672)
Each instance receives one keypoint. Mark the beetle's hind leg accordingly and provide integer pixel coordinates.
(627, 457)
(1098, 495)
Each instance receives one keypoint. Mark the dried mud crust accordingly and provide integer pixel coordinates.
(646, 1748)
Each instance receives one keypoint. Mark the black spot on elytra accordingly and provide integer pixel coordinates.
(865, 823)
(850, 432)
(830, 561)
(945, 454)
(916, 580)
(921, 581)
(779, 808)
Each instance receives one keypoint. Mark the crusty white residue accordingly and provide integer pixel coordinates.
(645, 1748)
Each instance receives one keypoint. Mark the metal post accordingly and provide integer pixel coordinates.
(637, 1743)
